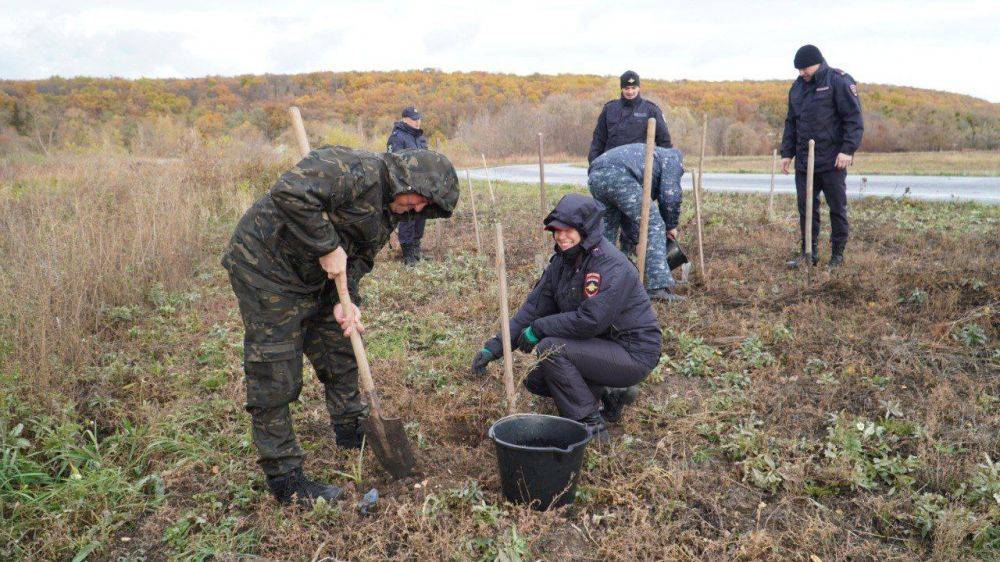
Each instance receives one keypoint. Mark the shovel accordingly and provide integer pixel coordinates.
(386, 436)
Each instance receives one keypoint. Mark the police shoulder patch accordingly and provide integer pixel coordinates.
(854, 90)
(591, 284)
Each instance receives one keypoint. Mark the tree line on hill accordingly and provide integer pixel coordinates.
(495, 114)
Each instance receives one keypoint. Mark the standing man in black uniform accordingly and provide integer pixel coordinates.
(406, 133)
(823, 105)
(623, 121)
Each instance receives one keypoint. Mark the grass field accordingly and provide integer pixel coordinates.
(854, 418)
(958, 163)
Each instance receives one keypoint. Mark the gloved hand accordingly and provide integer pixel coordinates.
(481, 360)
(527, 340)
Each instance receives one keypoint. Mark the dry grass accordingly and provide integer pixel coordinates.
(744, 445)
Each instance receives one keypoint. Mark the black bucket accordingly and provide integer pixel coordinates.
(675, 255)
(539, 458)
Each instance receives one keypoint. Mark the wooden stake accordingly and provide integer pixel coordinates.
(770, 197)
(647, 194)
(810, 167)
(299, 130)
(489, 182)
(697, 195)
(543, 205)
(508, 359)
(696, 185)
(704, 135)
(475, 217)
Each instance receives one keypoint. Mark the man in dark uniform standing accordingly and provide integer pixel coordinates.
(823, 105)
(329, 216)
(406, 133)
(623, 121)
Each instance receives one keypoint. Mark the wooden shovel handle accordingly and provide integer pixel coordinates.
(364, 369)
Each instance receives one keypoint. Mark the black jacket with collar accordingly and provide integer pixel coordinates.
(826, 109)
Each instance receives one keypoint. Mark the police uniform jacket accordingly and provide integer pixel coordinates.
(826, 109)
(623, 121)
(590, 291)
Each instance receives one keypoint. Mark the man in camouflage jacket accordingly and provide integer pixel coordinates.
(332, 213)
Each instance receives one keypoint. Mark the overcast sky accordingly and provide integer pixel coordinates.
(949, 46)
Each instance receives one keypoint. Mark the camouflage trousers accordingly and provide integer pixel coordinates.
(279, 329)
(621, 196)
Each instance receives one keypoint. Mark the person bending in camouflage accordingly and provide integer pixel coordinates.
(616, 181)
(330, 214)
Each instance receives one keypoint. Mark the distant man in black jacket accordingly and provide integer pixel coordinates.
(823, 105)
(623, 121)
(406, 133)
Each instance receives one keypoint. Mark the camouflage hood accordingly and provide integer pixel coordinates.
(425, 172)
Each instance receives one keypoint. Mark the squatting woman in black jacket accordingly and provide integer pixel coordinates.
(588, 318)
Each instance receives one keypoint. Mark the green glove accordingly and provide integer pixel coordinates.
(527, 340)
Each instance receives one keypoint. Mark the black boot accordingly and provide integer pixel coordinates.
(595, 426)
(349, 435)
(837, 254)
(411, 254)
(801, 258)
(615, 399)
(294, 486)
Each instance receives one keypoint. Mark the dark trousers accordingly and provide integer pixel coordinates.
(574, 372)
(833, 186)
(279, 329)
(410, 232)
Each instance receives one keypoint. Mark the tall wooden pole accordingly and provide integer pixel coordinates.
(543, 204)
(697, 194)
(810, 167)
(770, 197)
(508, 359)
(647, 195)
(696, 188)
(704, 136)
(475, 217)
(489, 182)
(299, 130)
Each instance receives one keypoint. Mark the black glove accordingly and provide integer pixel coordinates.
(527, 340)
(481, 360)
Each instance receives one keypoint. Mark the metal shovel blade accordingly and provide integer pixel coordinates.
(391, 446)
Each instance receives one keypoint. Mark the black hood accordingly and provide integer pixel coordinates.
(425, 172)
(400, 126)
(584, 214)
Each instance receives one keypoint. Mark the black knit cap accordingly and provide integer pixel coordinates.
(630, 78)
(806, 56)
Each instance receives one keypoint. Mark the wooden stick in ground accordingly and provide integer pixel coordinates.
(704, 135)
(489, 182)
(696, 188)
(508, 359)
(475, 217)
(647, 194)
(810, 166)
(770, 196)
(543, 205)
(299, 130)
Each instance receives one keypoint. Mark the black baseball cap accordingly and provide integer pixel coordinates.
(411, 113)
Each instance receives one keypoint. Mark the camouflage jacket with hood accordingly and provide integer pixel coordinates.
(334, 197)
